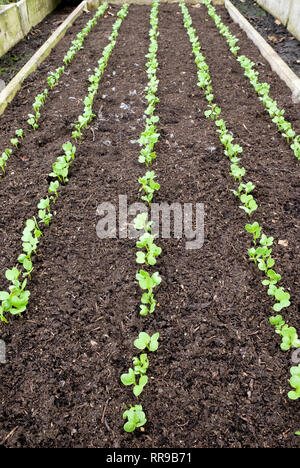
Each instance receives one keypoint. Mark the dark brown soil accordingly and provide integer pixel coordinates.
(277, 35)
(12, 62)
(219, 377)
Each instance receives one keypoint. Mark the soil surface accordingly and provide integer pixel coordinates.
(219, 378)
(275, 33)
(12, 62)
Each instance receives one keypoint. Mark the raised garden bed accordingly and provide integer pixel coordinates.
(275, 33)
(15, 58)
(219, 378)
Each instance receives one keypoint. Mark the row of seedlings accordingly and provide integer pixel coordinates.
(262, 89)
(52, 80)
(16, 300)
(261, 252)
(148, 251)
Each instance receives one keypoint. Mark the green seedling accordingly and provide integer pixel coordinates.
(295, 383)
(27, 264)
(213, 112)
(61, 169)
(273, 278)
(289, 134)
(141, 222)
(146, 281)
(259, 252)
(146, 341)
(69, 150)
(233, 150)
(16, 301)
(20, 133)
(146, 241)
(254, 229)
(243, 188)
(130, 379)
(4, 158)
(136, 418)
(266, 241)
(281, 296)
(141, 364)
(30, 238)
(289, 334)
(149, 283)
(149, 186)
(77, 135)
(237, 172)
(32, 121)
(296, 147)
(15, 142)
(53, 187)
(44, 211)
(250, 204)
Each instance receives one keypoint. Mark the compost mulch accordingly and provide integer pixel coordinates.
(219, 377)
(12, 62)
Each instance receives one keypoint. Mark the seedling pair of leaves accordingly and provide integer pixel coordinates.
(30, 242)
(16, 301)
(136, 418)
(69, 150)
(30, 237)
(141, 365)
(237, 172)
(149, 186)
(255, 230)
(296, 147)
(213, 112)
(232, 151)
(244, 188)
(53, 188)
(146, 241)
(61, 169)
(146, 341)
(250, 204)
(149, 136)
(33, 120)
(226, 139)
(44, 211)
(15, 141)
(53, 77)
(130, 379)
(40, 101)
(148, 283)
(282, 297)
(295, 383)
(289, 334)
(260, 254)
(4, 158)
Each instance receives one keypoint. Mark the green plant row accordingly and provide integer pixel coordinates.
(16, 300)
(261, 254)
(52, 80)
(148, 251)
(262, 89)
